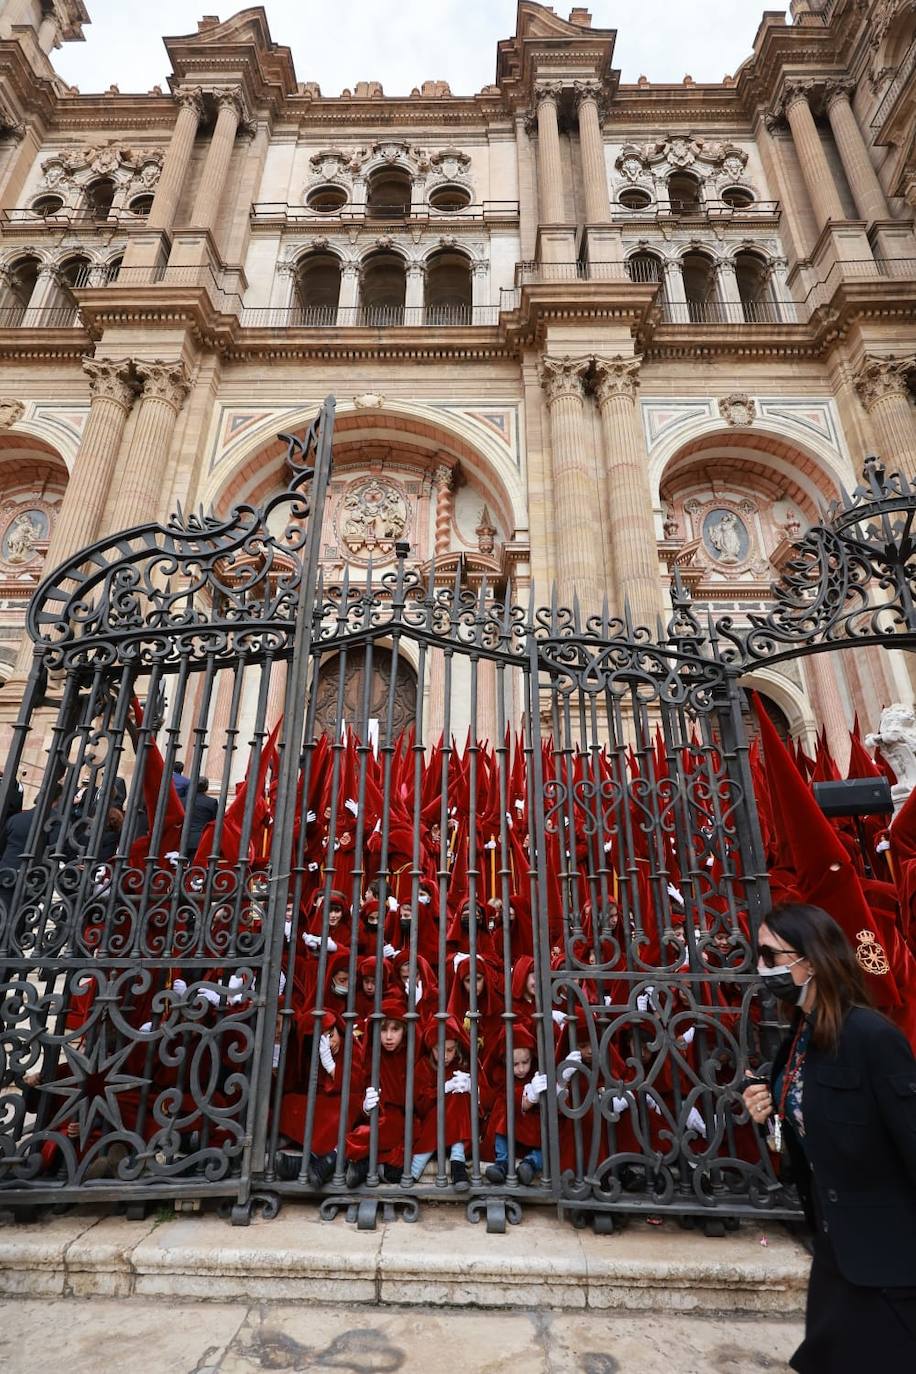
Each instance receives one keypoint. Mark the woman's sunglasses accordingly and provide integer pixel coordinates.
(768, 954)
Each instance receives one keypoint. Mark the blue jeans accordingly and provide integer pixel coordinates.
(419, 1162)
(534, 1156)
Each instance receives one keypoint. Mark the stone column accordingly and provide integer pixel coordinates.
(216, 166)
(176, 160)
(143, 477)
(444, 481)
(882, 387)
(783, 304)
(812, 159)
(867, 191)
(575, 496)
(675, 295)
(83, 506)
(276, 694)
(415, 293)
(348, 299)
(550, 170)
(480, 292)
(632, 520)
(829, 708)
(591, 144)
(46, 295)
(728, 293)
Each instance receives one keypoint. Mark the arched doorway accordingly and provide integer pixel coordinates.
(382, 668)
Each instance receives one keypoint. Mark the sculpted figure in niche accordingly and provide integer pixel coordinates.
(724, 535)
(372, 514)
(24, 534)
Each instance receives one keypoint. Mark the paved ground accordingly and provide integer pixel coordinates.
(144, 1336)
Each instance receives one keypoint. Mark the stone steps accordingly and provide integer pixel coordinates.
(440, 1260)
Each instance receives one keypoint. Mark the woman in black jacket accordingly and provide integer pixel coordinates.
(842, 1101)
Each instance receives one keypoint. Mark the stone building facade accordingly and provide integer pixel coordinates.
(580, 332)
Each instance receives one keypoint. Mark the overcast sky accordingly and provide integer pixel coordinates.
(403, 44)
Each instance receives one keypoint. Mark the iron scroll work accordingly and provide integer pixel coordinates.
(573, 892)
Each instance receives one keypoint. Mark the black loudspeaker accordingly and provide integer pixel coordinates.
(854, 797)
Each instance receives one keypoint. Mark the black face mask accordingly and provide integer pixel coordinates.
(780, 982)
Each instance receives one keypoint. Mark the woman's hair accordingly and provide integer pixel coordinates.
(840, 985)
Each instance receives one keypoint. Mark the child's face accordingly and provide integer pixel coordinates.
(334, 1040)
(392, 1035)
(530, 984)
(340, 984)
(450, 1048)
(335, 916)
(467, 983)
(369, 984)
(521, 1062)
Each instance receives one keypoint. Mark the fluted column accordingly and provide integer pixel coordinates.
(882, 387)
(867, 191)
(143, 477)
(276, 694)
(812, 159)
(216, 165)
(550, 170)
(631, 518)
(575, 495)
(176, 160)
(591, 144)
(829, 708)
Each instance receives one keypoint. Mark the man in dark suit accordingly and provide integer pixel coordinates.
(203, 811)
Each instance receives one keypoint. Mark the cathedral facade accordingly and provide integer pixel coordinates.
(581, 333)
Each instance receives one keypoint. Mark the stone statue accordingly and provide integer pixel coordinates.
(725, 537)
(896, 738)
(23, 535)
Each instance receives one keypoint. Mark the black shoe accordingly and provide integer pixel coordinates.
(357, 1172)
(287, 1164)
(496, 1174)
(321, 1168)
(525, 1173)
(391, 1173)
(459, 1172)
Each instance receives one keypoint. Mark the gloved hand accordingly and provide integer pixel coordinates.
(236, 989)
(532, 1091)
(332, 945)
(575, 1059)
(620, 1104)
(180, 986)
(370, 1101)
(644, 999)
(460, 1082)
(311, 941)
(696, 1123)
(419, 992)
(559, 1018)
(389, 951)
(325, 1055)
(351, 806)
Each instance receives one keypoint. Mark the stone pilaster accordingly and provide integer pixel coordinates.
(867, 191)
(881, 383)
(444, 484)
(812, 159)
(575, 495)
(216, 167)
(591, 145)
(143, 476)
(631, 519)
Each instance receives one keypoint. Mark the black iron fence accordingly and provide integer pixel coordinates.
(465, 908)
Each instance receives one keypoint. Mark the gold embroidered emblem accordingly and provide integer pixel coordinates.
(870, 955)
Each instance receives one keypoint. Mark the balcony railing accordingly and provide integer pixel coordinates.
(368, 317)
(222, 289)
(728, 312)
(40, 317)
(707, 210)
(274, 211)
(531, 272)
(23, 217)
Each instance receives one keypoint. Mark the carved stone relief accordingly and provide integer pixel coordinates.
(372, 514)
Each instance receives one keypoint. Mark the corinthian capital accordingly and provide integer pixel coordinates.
(562, 378)
(110, 380)
(167, 382)
(231, 98)
(617, 376)
(879, 378)
(547, 90)
(795, 91)
(586, 90)
(191, 98)
(841, 88)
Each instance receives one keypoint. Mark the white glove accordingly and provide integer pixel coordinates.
(653, 1105)
(688, 1035)
(675, 894)
(287, 929)
(608, 1000)
(310, 816)
(235, 982)
(460, 1082)
(538, 1084)
(310, 940)
(332, 946)
(275, 1057)
(147, 1026)
(575, 1058)
(313, 868)
(389, 951)
(696, 1123)
(458, 960)
(393, 904)
(209, 995)
(643, 999)
(180, 986)
(419, 992)
(352, 806)
(620, 1104)
(559, 1018)
(490, 844)
(172, 857)
(881, 846)
(325, 1055)
(370, 1101)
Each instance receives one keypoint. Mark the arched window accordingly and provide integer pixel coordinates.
(99, 196)
(75, 272)
(111, 269)
(384, 289)
(449, 199)
(47, 205)
(753, 288)
(644, 267)
(738, 197)
(684, 193)
(700, 288)
(635, 198)
(388, 193)
(22, 276)
(449, 294)
(327, 200)
(317, 289)
(141, 205)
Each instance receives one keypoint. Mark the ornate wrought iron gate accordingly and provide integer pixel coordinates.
(568, 907)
